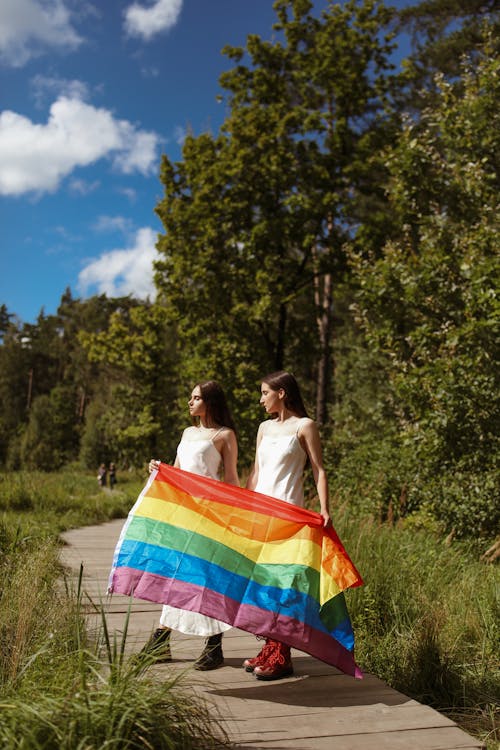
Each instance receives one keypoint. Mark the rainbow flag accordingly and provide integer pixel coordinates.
(258, 563)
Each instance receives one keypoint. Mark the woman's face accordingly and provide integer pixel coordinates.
(197, 407)
(270, 399)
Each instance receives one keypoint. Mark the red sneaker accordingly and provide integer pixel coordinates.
(278, 664)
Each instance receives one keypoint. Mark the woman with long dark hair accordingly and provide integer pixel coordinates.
(284, 444)
(208, 448)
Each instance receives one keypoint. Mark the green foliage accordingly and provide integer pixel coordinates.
(39, 449)
(119, 428)
(33, 647)
(429, 303)
(94, 445)
(462, 500)
(60, 689)
(427, 619)
(47, 380)
(133, 713)
(15, 366)
(51, 436)
(42, 503)
(443, 32)
(130, 414)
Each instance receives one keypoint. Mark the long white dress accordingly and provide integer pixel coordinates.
(199, 457)
(281, 465)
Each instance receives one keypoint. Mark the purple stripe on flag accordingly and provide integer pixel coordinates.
(156, 588)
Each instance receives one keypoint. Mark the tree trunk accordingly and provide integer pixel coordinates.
(323, 299)
(280, 345)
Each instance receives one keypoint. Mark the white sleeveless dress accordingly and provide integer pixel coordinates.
(199, 457)
(281, 467)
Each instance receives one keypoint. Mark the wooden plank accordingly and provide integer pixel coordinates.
(377, 719)
(420, 739)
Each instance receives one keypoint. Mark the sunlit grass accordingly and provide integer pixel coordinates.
(62, 689)
(427, 620)
(46, 503)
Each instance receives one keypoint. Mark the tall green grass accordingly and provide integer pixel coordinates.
(427, 620)
(60, 688)
(106, 701)
(38, 634)
(129, 715)
(47, 503)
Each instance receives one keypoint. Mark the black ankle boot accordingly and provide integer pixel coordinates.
(159, 645)
(211, 656)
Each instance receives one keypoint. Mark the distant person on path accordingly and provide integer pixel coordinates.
(206, 448)
(112, 475)
(101, 475)
(284, 444)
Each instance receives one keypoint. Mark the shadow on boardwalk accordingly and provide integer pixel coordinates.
(318, 708)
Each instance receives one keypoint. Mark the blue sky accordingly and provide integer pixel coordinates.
(91, 93)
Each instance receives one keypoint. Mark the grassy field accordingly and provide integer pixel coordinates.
(58, 688)
(427, 621)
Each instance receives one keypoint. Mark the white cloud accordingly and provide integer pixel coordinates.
(45, 87)
(64, 239)
(83, 187)
(153, 19)
(27, 26)
(113, 224)
(123, 271)
(36, 157)
(140, 152)
(129, 193)
(151, 72)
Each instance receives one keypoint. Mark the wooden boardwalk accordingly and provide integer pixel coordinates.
(319, 708)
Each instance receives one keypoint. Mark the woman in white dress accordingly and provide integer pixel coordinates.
(208, 448)
(284, 443)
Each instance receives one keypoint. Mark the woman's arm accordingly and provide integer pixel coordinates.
(311, 441)
(254, 473)
(229, 453)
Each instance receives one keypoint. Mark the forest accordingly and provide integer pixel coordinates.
(342, 224)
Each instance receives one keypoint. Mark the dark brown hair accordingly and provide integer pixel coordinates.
(287, 381)
(215, 400)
